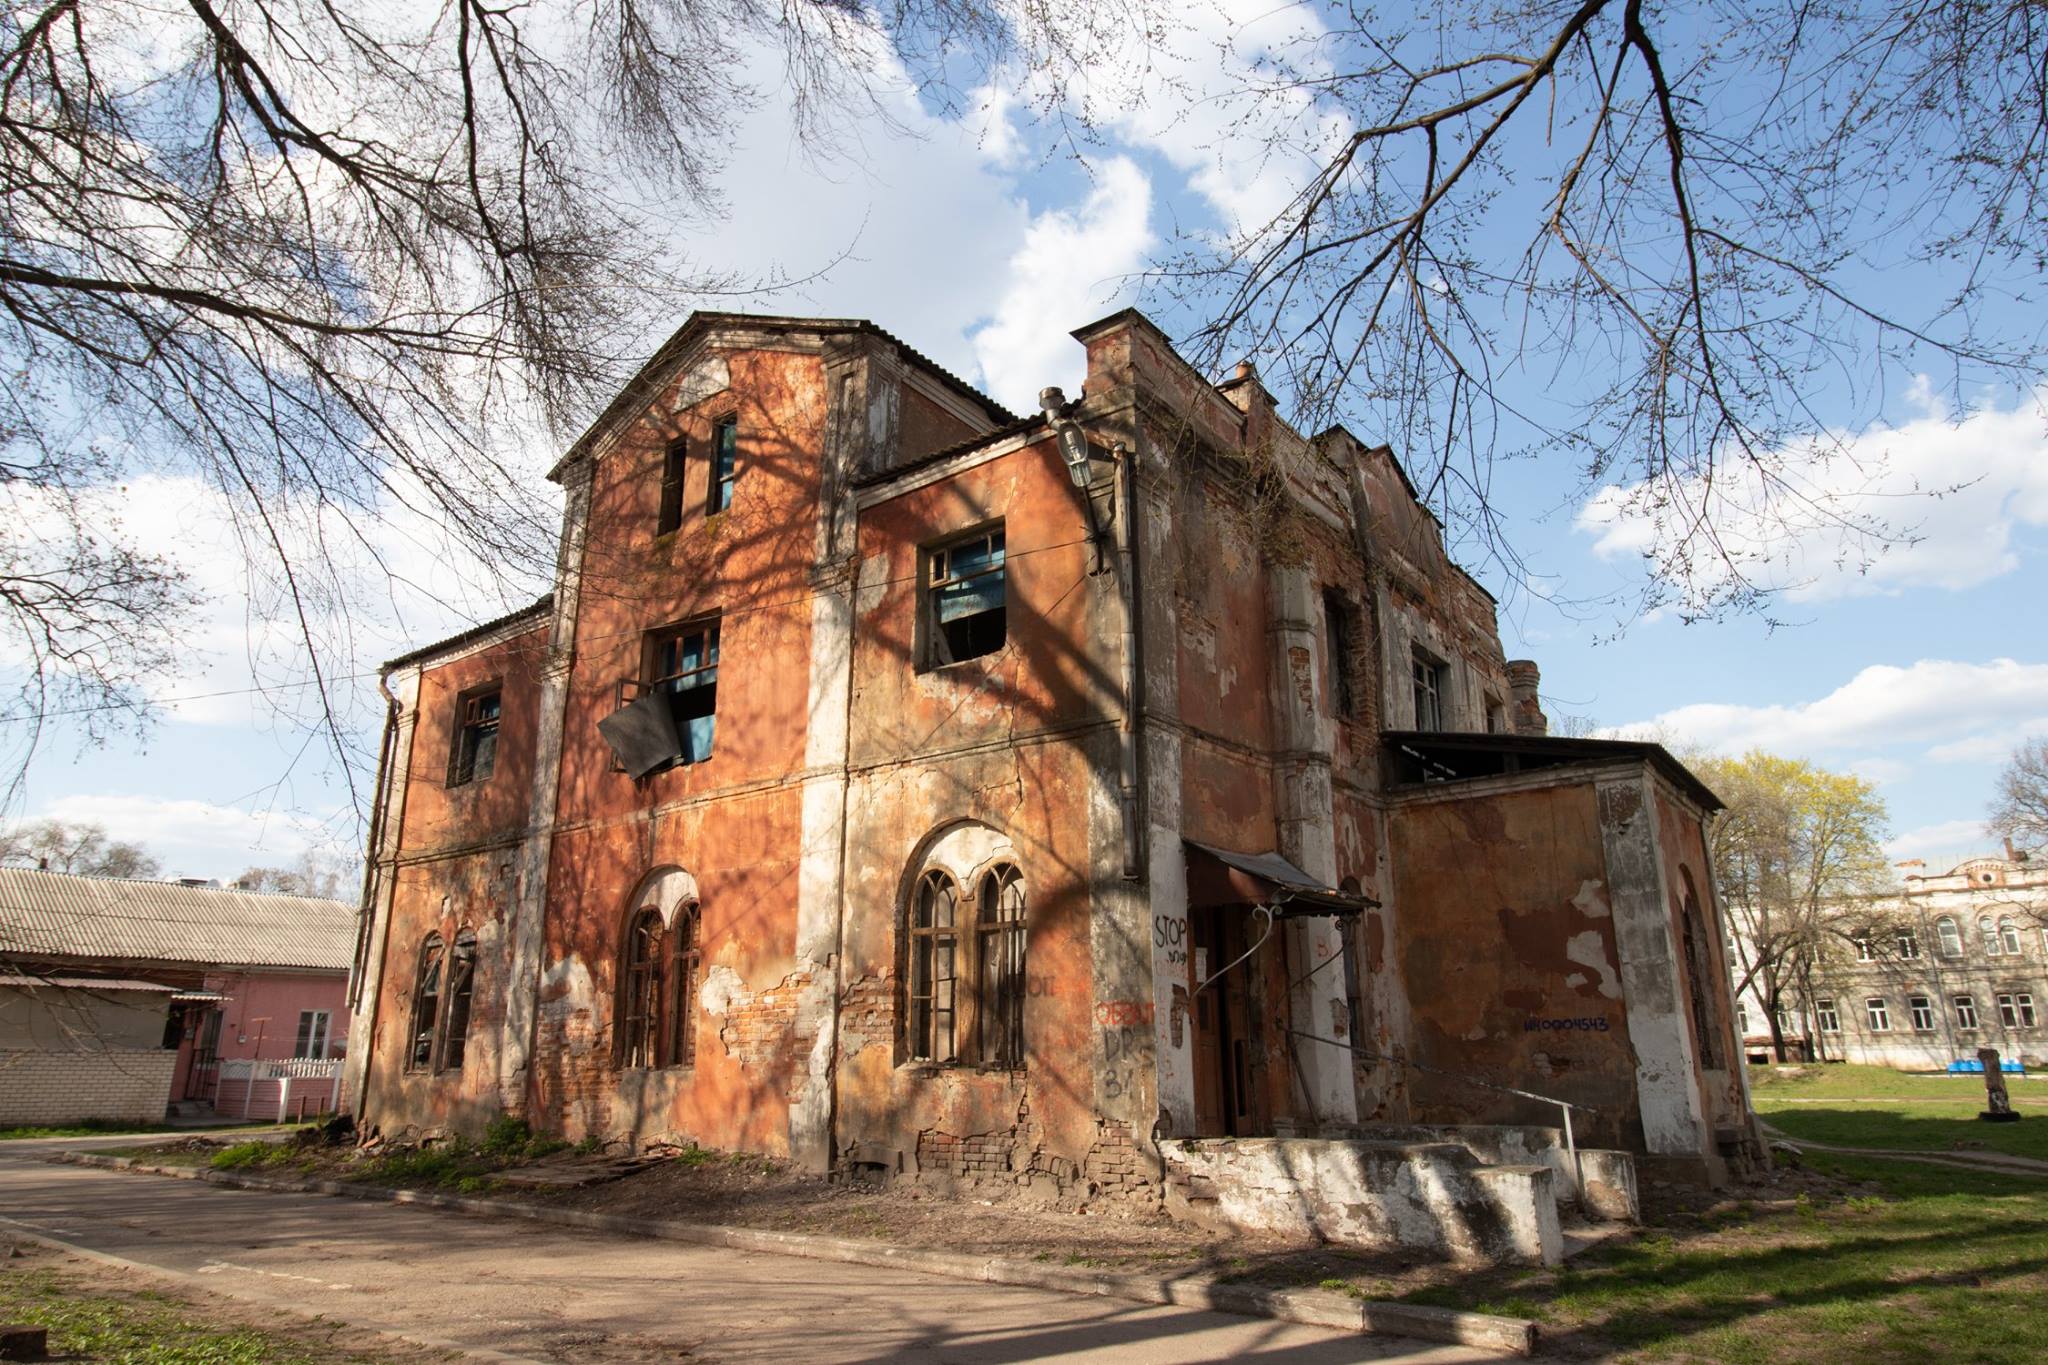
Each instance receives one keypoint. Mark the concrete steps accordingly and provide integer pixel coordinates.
(1479, 1193)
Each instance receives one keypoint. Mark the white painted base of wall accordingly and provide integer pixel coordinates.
(1434, 1197)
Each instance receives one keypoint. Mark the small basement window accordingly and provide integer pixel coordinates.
(685, 666)
(476, 736)
(965, 599)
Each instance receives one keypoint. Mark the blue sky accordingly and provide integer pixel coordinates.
(981, 244)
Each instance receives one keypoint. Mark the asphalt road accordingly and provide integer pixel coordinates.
(504, 1289)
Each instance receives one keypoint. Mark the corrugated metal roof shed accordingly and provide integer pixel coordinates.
(54, 915)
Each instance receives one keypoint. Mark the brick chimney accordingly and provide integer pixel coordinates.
(1526, 712)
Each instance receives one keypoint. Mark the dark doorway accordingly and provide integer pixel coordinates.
(205, 1067)
(1230, 1068)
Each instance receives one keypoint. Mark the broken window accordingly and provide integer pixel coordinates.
(476, 736)
(426, 1005)
(1000, 1011)
(461, 986)
(1879, 1015)
(1828, 1017)
(932, 942)
(640, 990)
(1966, 1012)
(1950, 937)
(1341, 628)
(965, 599)
(1428, 674)
(673, 462)
(725, 463)
(312, 1039)
(1923, 1013)
(685, 668)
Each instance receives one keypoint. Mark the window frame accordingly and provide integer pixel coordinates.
(472, 730)
(1429, 678)
(430, 967)
(2008, 937)
(1877, 1013)
(980, 1009)
(722, 465)
(2025, 1001)
(1965, 1007)
(1340, 642)
(1863, 947)
(935, 649)
(1908, 945)
(458, 991)
(315, 1027)
(1921, 1009)
(1826, 1017)
(675, 467)
(1948, 937)
(657, 676)
(1987, 934)
(637, 1016)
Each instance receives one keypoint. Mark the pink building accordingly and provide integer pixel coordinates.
(127, 999)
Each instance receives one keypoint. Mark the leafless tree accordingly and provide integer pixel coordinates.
(341, 262)
(311, 875)
(1698, 215)
(82, 848)
(2020, 810)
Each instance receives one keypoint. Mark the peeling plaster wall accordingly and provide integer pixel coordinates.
(1505, 940)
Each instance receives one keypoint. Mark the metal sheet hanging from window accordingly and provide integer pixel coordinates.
(969, 597)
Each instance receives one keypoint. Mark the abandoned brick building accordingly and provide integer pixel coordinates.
(1131, 797)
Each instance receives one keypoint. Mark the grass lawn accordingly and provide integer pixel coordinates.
(95, 1313)
(1869, 1106)
(1908, 1263)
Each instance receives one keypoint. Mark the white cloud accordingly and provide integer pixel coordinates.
(196, 838)
(1993, 747)
(1932, 701)
(1930, 503)
(1070, 270)
(1944, 844)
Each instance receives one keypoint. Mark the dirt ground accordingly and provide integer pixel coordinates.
(749, 1191)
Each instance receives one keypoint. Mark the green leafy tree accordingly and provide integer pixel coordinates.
(1794, 841)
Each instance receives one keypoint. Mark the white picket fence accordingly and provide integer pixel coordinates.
(246, 1086)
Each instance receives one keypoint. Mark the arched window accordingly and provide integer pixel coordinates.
(426, 1004)
(461, 985)
(2008, 937)
(1987, 935)
(1951, 937)
(933, 939)
(679, 1036)
(640, 991)
(1000, 997)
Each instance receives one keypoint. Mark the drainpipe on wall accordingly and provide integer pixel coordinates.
(364, 914)
(1083, 466)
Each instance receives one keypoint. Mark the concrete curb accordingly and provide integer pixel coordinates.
(1310, 1307)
